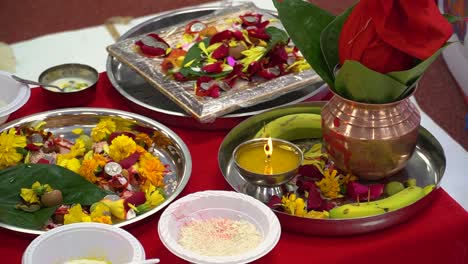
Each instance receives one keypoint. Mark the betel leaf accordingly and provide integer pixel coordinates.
(304, 23)
(329, 40)
(194, 55)
(74, 188)
(359, 83)
(277, 36)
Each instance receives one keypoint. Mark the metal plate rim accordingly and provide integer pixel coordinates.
(114, 112)
(379, 219)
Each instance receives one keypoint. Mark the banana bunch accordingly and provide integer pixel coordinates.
(399, 200)
(292, 127)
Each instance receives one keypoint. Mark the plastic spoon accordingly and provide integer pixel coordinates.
(21, 80)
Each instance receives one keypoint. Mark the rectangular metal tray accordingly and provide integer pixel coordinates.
(202, 108)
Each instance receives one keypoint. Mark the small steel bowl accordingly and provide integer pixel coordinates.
(68, 71)
(267, 180)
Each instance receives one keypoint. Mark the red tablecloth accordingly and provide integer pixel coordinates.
(439, 234)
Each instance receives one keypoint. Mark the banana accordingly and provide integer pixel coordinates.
(292, 127)
(399, 200)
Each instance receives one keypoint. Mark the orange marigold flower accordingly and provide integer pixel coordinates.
(143, 139)
(87, 169)
(151, 168)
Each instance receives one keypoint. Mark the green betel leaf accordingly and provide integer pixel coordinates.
(329, 40)
(74, 188)
(358, 83)
(194, 55)
(304, 23)
(409, 77)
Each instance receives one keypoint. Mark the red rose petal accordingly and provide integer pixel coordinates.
(221, 52)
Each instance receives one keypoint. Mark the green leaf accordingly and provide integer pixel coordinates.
(329, 40)
(452, 19)
(357, 82)
(408, 77)
(277, 36)
(74, 188)
(193, 54)
(304, 23)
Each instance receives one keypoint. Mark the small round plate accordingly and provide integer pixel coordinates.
(427, 165)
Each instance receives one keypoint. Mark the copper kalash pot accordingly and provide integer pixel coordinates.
(372, 141)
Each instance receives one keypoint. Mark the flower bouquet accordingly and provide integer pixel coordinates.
(374, 52)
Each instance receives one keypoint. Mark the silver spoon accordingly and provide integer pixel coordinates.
(21, 80)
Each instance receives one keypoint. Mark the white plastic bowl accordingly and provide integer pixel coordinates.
(84, 240)
(224, 204)
(13, 95)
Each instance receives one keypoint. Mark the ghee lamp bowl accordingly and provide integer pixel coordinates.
(267, 170)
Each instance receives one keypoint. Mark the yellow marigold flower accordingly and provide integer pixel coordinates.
(9, 141)
(121, 147)
(29, 195)
(153, 196)
(101, 213)
(104, 128)
(143, 139)
(72, 164)
(40, 189)
(76, 215)
(87, 170)
(329, 185)
(293, 205)
(151, 168)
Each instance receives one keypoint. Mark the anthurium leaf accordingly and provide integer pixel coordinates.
(304, 23)
(357, 82)
(276, 36)
(74, 188)
(329, 40)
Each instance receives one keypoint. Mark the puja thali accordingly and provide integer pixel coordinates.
(144, 99)
(174, 154)
(427, 166)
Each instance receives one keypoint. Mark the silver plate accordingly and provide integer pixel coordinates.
(427, 165)
(61, 122)
(146, 100)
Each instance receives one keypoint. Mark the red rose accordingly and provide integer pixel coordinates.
(387, 35)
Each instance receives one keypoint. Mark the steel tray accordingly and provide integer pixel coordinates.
(176, 154)
(146, 100)
(427, 165)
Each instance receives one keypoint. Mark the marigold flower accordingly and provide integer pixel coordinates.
(329, 185)
(76, 215)
(103, 129)
(88, 169)
(72, 164)
(100, 213)
(121, 147)
(293, 205)
(9, 141)
(142, 139)
(151, 168)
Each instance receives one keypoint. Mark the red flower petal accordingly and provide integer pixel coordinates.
(274, 202)
(310, 171)
(159, 50)
(221, 52)
(216, 67)
(221, 36)
(180, 77)
(32, 147)
(136, 198)
(251, 19)
(194, 26)
(278, 56)
(258, 33)
(43, 161)
(270, 73)
(130, 160)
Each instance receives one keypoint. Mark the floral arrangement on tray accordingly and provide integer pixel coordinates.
(232, 58)
(374, 52)
(107, 176)
(217, 56)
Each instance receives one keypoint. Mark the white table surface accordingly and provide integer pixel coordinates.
(88, 45)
